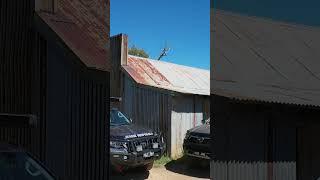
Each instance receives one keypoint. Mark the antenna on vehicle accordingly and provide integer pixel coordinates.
(164, 51)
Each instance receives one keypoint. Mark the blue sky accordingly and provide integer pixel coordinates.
(295, 11)
(184, 25)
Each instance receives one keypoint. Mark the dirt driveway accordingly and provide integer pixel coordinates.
(175, 170)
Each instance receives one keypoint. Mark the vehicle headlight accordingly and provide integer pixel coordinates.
(118, 145)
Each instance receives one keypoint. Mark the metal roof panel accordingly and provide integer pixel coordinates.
(168, 76)
(260, 59)
(83, 31)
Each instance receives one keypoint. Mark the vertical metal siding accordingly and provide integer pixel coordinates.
(188, 111)
(77, 106)
(252, 170)
(16, 76)
(15, 55)
(154, 108)
(72, 106)
(252, 142)
(147, 107)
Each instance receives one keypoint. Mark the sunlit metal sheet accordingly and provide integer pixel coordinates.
(264, 60)
(168, 76)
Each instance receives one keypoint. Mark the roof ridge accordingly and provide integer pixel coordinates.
(157, 61)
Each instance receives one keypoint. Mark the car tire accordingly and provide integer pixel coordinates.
(148, 166)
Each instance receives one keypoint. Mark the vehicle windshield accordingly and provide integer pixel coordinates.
(18, 165)
(118, 119)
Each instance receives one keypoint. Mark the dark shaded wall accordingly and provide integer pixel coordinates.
(39, 75)
(16, 42)
(253, 140)
(76, 117)
(17, 70)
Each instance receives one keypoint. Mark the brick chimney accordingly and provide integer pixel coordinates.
(50, 6)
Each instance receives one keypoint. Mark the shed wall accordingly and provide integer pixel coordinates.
(15, 55)
(70, 101)
(18, 70)
(252, 141)
(188, 111)
(162, 110)
(147, 107)
(76, 118)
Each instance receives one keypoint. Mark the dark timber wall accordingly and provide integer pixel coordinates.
(76, 117)
(15, 54)
(16, 75)
(39, 75)
(264, 141)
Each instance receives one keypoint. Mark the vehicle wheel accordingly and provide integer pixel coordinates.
(148, 167)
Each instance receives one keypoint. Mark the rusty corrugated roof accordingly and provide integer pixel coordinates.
(168, 76)
(264, 60)
(84, 31)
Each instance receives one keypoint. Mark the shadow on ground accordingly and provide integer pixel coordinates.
(190, 167)
(132, 174)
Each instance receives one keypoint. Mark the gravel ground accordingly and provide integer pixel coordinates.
(180, 169)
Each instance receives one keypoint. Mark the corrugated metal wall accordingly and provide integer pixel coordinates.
(159, 110)
(252, 141)
(77, 108)
(253, 171)
(70, 101)
(188, 111)
(147, 107)
(15, 55)
(16, 69)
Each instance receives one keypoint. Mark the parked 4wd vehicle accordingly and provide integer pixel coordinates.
(16, 164)
(132, 145)
(197, 141)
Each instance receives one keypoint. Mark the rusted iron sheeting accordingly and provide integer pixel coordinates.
(92, 17)
(84, 46)
(164, 75)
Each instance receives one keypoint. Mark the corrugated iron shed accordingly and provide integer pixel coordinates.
(82, 30)
(168, 76)
(260, 59)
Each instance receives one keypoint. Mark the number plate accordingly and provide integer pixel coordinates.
(148, 154)
(139, 148)
(155, 145)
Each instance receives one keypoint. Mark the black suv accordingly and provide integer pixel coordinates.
(197, 141)
(17, 164)
(132, 145)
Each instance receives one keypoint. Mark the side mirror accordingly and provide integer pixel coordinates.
(130, 120)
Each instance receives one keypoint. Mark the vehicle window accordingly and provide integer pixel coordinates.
(117, 118)
(17, 166)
